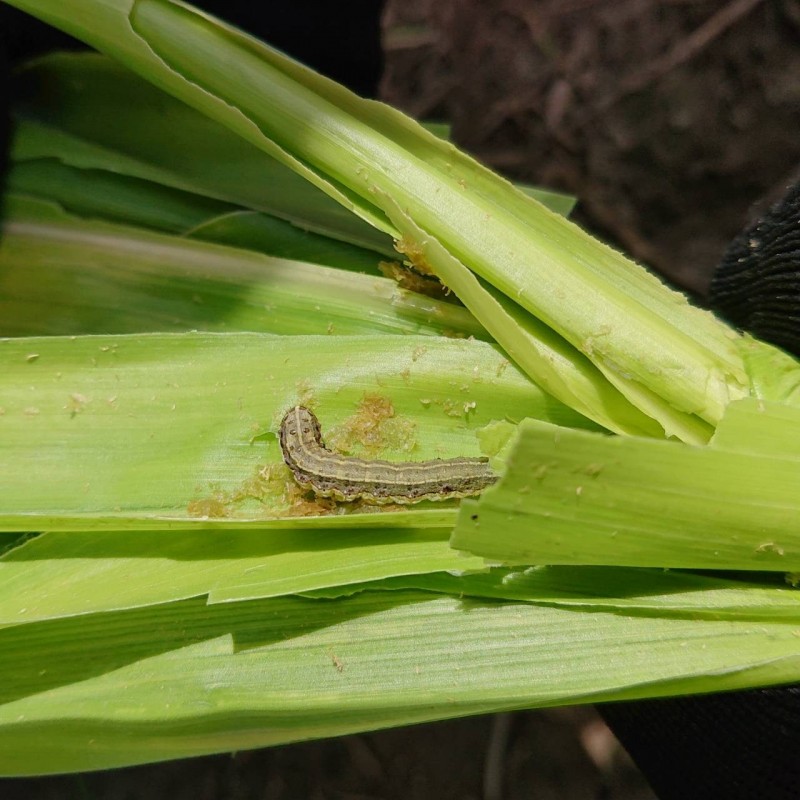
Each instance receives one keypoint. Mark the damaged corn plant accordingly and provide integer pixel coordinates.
(200, 234)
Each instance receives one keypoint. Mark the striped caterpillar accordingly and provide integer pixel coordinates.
(347, 478)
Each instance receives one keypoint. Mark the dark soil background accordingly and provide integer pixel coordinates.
(675, 123)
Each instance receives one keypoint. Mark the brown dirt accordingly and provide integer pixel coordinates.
(673, 122)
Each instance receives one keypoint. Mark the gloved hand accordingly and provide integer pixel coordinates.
(757, 284)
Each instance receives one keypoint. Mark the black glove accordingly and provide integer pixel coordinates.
(738, 745)
(757, 285)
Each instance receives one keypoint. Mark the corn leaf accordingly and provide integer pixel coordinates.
(62, 274)
(649, 592)
(85, 124)
(103, 195)
(580, 498)
(185, 678)
(58, 575)
(142, 429)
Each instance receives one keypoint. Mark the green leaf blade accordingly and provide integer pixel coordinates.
(122, 431)
(200, 679)
(571, 497)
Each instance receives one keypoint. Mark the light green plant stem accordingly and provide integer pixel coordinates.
(186, 678)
